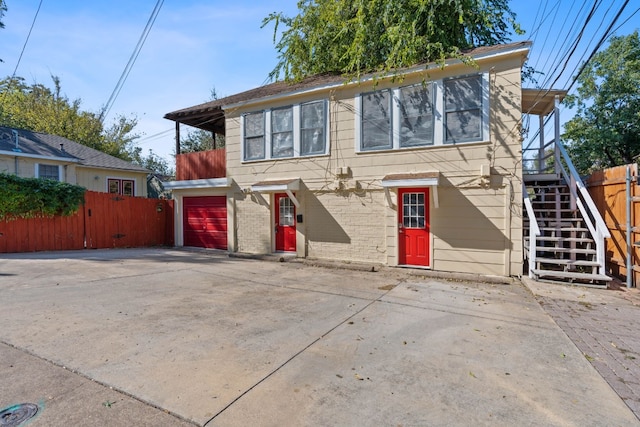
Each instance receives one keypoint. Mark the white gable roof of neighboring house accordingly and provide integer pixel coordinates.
(46, 146)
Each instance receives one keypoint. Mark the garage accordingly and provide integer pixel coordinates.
(205, 222)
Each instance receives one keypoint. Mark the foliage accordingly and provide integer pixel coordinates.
(606, 129)
(32, 197)
(40, 109)
(358, 36)
(3, 9)
(201, 140)
(153, 162)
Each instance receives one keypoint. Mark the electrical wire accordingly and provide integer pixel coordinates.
(132, 59)
(15, 70)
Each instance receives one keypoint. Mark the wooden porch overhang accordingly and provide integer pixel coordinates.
(288, 186)
(412, 180)
(540, 102)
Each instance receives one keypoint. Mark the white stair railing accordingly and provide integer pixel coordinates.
(583, 201)
(534, 231)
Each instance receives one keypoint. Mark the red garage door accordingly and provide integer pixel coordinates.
(205, 222)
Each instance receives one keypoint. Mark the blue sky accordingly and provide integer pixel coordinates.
(196, 45)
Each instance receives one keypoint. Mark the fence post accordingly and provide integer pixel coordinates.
(629, 228)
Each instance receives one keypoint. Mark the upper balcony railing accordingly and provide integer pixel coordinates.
(201, 165)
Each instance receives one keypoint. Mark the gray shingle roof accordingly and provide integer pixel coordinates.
(210, 115)
(43, 144)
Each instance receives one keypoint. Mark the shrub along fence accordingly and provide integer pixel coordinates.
(104, 221)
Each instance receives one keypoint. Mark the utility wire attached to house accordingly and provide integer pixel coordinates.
(132, 60)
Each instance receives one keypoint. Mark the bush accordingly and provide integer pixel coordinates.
(32, 197)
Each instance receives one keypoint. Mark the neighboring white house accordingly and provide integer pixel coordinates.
(40, 155)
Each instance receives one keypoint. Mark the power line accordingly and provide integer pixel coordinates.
(132, 60)
(15, 70)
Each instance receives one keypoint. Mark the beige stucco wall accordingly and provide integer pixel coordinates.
(476, 228)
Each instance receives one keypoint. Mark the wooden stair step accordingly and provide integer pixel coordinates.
(565, 250)
(568, 262)
(571, 275)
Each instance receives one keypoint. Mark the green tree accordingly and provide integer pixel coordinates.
(153, 162)
(605, 131)
(3, 9)
(41, 109)
(358, 36)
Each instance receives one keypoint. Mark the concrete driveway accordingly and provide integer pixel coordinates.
(197, 337)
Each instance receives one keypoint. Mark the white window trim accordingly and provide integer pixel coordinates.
(297, 143)
(37, 170)
(438, 119)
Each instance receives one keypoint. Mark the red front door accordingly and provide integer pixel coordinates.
(413, 226)
(285, 223)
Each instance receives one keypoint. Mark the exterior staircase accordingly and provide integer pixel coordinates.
(564, 249)
(563, 232)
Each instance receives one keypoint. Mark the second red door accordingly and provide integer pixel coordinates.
(285, 216)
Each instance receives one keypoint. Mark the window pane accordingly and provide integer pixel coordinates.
(463, 109)
(463, 94)
(254, 124)
(286, 211)
(127, 188)
(463, 126)
(114, 186)
(254, 148)
(48, 172)
(254, 136)
(282, 120)
(312, 123)
(282, 144)
(416, 116)
(376, 120)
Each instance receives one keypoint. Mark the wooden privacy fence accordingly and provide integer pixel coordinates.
(105, 221)
(608, 188)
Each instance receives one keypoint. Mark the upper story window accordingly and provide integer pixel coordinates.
(463, 109)
(254, 136)
(376, 120)
(446, 111)
(48, 172)
(281, 133)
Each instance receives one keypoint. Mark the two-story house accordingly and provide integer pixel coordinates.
(421, 169)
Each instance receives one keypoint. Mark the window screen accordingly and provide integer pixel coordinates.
(416, 116)
(49, 172)
(282, 132)
(463, 109)
(376, 120)
(254, 136)
(312, 128)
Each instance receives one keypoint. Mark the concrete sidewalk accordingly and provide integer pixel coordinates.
(217, 341)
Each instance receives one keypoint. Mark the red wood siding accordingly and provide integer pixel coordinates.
(201, 165)
(105, 221)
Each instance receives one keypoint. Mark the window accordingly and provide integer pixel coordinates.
(48, 172)
(463, 109)
(123, 187)
(312, 128)
(376, 120)
(449, 111)
(281, 133)
(416, 116)
(254, 136)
